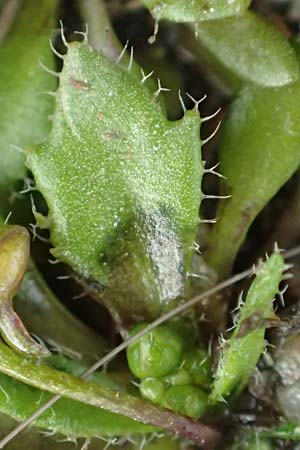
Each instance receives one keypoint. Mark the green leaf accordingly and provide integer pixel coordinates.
(87, 409)
(122, 183)
(25, 106)
(263, 55)
(68, 417)
(192, 11)
(242, 350)
(259, 152)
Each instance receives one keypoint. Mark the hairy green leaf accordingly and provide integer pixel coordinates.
(242, 350)
(122, 183)
(68, 417)
(87, 409)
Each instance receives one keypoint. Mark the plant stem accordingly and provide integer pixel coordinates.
(101, 34)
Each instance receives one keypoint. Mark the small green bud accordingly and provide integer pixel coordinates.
(186, 329)
(153, 389)
(188, 400)
(155, 354)
(198, 364)
(178, 378)
(14, 251)
(14, 254)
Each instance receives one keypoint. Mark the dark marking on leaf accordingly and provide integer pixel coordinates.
(100, 116)
(111, 135)
(254, 322)
(79, 84)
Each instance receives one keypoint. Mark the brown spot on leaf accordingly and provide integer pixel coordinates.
(254, 322)
(100, 116)
(111, 135)
(79, 84)
(205, 7)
